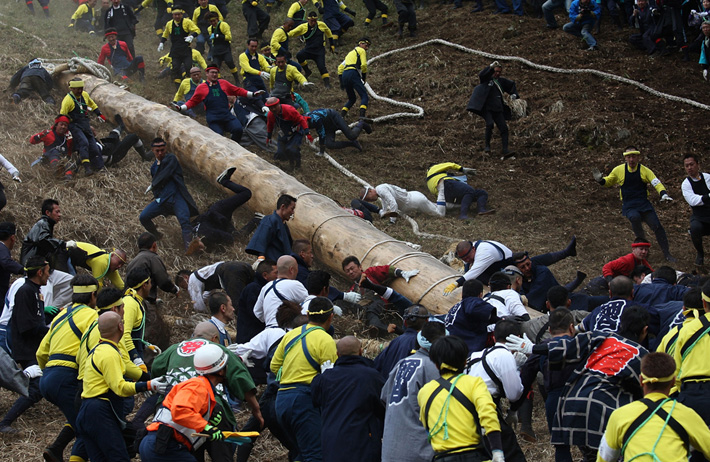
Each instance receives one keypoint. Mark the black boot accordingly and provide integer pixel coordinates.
(363, 111)
(400, 30)
(326, 82)
(54, 452)
(571, 249)
(119, 122)
(344, 113)
(571, 286)
(306, 71)
(87, 169)
(686, 51)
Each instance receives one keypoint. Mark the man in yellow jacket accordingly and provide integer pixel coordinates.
(101, 263)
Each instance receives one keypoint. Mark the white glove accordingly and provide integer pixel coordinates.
(666, 198)
(256, 263)
(513, 97)
(159, 385)
(598, 176)
(139, 362)
(325, 366)
(520, 359)
(265, 75)
(155, 349)
(352, 297)
(265, 110)
(705, 74)
(407, 275)
(469, 171)
(693, 12)
(497, 456)
(523, 345)
(495, 64)
(17, 178)
(160, 47)
(183, 108)
(147, 190)
(189, 39)
(245, 359)
(33, 372)
(337, 310)
(71, 244)
(307, 84)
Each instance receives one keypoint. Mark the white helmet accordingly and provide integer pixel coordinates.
(209, 359)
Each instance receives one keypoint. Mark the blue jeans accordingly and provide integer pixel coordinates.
(5, 339)
(231, 125)
(458, 192)
(178, 208)
(298, 417)
(175, 451)
(100, 432)
(548, 10)
(580, 30)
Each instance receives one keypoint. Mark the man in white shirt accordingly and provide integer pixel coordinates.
(285, 287)
(696, 191)
(396, 200)
(506, 301)
(481, 259)
(231, 276)
(498, 368)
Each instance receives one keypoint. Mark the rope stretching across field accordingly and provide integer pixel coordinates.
(418, 111)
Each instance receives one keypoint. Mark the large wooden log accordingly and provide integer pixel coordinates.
(334, 233)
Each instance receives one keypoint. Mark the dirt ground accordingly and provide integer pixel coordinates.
(543, 196)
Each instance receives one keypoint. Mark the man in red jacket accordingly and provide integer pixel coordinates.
(293, 126)
(215, 92)
(119, 57)
(58, 146)
(623, 266)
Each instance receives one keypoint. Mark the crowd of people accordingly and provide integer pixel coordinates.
(620, 362)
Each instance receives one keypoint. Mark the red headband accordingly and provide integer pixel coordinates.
(640, 244)
(62, 118)
(111, 32)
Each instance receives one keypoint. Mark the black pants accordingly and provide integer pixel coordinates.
(214, 231)
(31, 84)
(23, 402)
(3, 201)
(317, 56)
(128, 38)
(406, 14)
(181, 59)
(114, 154)
(372, 7)
(219, 57)
(257, 20)
(137, 65)
(365, 207)
(499, 119)
(338, 123)
(698, 228)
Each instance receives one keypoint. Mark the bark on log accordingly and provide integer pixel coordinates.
(334, 233)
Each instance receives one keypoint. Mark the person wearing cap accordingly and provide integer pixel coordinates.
(446, 182)
(297, 12)
(102, 413)
(199, 17)
(26, 329)
(256, 18)
(696, 192)
(220, 37)
(181, 32)
(214, 92)
(656, 426)
(76, 105)
(315, 33)
(633, 178)
(8, 266)
(447, 404)
(334, 18)
(415, 318)
(348, 396)
(58, 147)
(187, 89)
(255, 69)
(120, 57)
(32, 78)
(101, 263)
(282, 78)
(122, 18)
(404, 433)
(623, 266)
(352, 74)
(186, 368)
(691, 352)
(57, 356)
(396, 200)
(498, 367)
(301, 355)
(487, 101)
(170, 193)
(293, 127)
(84, 18)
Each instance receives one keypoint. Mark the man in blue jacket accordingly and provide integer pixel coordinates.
(415, 317)
(272, 238)
(469, 318)
(583, 14)
(171, 194)
(349, 399)
(662, 288)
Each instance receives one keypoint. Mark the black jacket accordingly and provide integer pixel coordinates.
(27, 72)
(477, 102)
